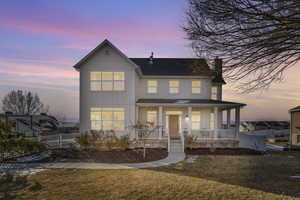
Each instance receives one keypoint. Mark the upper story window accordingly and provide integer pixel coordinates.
(196, 87)
(173, 87)
(214, 93)
(107, 81)
(151, 86)
(196, 120)
(107, 118)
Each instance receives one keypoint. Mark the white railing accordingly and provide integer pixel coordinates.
(204, 134)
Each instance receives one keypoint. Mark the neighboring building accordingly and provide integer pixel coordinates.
(295, 125)
(30, 125)
(178, 94)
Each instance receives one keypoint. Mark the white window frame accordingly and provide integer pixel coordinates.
(152, 114)
(196, 121)
(194, 88)
(171, 88)
(113, 81)
(150, 86)
(214, 94)
(101, 120)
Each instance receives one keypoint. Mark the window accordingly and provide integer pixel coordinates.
(173, 87)
(196, 87)
(107, 119)
(214, 92)
(196, 120)
(298, 139)
(152, 117)
(152, 86)
(107, 81)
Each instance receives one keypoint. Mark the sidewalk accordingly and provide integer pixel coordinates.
(30, 168)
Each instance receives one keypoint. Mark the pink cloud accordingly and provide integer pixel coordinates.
(21, 68)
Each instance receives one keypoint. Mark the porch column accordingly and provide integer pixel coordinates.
(228, 117)
(237, 122)
(216, 122)
(160, 121)
(136, 120)
(189, 122)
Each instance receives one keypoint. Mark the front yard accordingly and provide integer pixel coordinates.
(209, 177)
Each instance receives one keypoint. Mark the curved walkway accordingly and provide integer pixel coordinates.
(31, 167)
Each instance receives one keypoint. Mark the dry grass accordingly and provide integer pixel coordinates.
(210, 177)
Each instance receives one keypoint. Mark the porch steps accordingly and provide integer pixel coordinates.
(176, 146)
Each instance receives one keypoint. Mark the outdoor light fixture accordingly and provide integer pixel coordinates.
(186, 118)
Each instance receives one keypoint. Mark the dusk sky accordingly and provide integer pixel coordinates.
(40, 41)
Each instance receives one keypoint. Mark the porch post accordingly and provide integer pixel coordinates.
(136, 119)
(237, 122)
(228, 117)
(216, 123)
(189, 122)
(160, 121)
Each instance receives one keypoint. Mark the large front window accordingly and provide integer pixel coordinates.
(173, 87)
(107, 81)
(107, 118)
(196, 122)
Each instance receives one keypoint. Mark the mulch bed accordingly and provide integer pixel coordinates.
(222, 151)
(114, 156)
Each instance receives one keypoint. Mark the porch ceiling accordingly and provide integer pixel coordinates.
(189, 102)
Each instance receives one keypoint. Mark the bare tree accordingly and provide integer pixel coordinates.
(25, 103)
(257, 39)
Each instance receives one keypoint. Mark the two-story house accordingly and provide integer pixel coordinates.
(182, 95)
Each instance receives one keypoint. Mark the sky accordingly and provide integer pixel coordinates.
(40, 41)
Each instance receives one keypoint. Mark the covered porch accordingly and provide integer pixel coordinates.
(200, 118)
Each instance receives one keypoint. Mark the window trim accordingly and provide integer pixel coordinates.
(177, 87)
(196, 121)
(152, 112)
(213, 93)
(156, 87)
(101, 110)
(113, 81)
(200, 87)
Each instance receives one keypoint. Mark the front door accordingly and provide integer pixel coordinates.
(174, 126)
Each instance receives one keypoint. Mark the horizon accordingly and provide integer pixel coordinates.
(41, 42)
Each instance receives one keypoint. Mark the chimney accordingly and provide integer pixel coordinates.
(151, 59)
(218, 66)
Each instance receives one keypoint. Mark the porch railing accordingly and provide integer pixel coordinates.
(219, 134)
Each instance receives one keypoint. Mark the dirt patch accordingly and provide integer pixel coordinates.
(222, 151)
(93, 155)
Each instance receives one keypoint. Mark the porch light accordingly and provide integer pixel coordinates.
(187, 118)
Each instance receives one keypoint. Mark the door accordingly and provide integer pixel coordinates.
(174, 126)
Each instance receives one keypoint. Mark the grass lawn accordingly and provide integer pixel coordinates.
(209, 177)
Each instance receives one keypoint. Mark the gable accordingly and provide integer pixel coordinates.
(102, 48)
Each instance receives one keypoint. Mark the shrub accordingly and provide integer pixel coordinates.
(83, 140)
(123, 142)
(12, 146)
(190, 141)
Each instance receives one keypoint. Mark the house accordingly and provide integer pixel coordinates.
(30, 125)
(181, 95)
(295, 126)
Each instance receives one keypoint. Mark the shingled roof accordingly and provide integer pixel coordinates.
(173, 66)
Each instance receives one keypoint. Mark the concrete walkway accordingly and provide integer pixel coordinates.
(31, 167)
